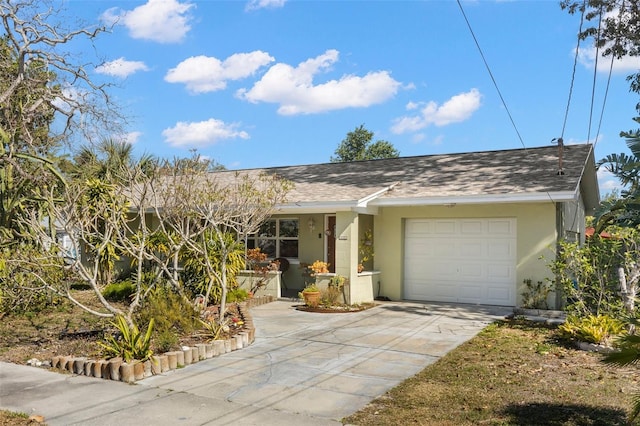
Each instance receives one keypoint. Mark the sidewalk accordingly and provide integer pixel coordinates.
(303, 368)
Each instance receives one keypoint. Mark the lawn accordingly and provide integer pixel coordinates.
(512, 373)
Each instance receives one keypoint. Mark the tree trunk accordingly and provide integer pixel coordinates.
(628, 293)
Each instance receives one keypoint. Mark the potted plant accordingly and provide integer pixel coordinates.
(311, 295)
(318, 267)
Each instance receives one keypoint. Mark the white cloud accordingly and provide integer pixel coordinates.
(163, 21)
(294, 90)
(121, 68)
(203, 74)
(412, 105)
(608, 182)
(458, 108)
(202, 133)
(626, 64)
(132, 137)
(264, 4)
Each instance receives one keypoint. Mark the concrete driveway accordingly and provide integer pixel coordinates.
(303, 368)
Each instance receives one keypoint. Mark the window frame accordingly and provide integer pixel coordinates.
(277, 238)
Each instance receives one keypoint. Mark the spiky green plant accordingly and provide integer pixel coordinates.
(131, 344)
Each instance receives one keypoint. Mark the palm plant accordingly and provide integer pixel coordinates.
(110, 161)
(625, 210)
(628, 354)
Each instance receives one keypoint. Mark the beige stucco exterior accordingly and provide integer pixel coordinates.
(536, 236)
(536, 239)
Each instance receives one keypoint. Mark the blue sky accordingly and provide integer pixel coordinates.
(265, 83)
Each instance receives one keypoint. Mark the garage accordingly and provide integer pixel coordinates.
(461, 260)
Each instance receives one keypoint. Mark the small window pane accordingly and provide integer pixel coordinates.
(268, 229)
(289, 228)
(289, 248)
(268, 247)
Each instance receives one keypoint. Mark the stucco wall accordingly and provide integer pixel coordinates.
(536, 231)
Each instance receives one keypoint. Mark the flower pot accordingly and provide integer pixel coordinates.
(311, 298)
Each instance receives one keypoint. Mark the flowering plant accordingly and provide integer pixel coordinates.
(319, 267)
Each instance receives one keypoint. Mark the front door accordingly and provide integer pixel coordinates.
(330, 235)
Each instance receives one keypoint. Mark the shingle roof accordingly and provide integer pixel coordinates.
(475, 174)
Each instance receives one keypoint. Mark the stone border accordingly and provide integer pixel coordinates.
(117, 369)
(547, 316)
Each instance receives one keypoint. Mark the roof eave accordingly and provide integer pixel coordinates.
(536, 197)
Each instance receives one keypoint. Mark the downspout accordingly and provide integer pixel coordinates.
(560, 231)
(363, 202)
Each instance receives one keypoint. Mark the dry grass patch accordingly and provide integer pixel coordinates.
(9, 418)
(512, 373)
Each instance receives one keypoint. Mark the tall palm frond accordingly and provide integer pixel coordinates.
(628, 354)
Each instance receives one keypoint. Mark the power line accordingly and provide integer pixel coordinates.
(573, 73)
(595, 73)
(606, 92)
(495, 84)
(491, 74)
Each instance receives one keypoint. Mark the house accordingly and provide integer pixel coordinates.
(461, 228)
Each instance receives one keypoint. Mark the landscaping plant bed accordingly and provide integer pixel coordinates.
(338, 309)
(63, 329)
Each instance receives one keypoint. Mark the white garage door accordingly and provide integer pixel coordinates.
(461, 260)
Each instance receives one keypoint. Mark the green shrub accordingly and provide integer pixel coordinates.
(599, 329)
(172, 313)
(588, 274)
(165, 341)
(535, 294)
(237, 294)
(330, 296)
(120, 291)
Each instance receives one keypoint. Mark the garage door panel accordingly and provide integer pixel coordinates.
(471, 227)
(461, 260)
(500, 272)
(471, 249)
(499, 295)
(440, 271)
(501, 227)
(470, 271)
(501, 249)
(445, 291)
(417, 227)
(470, 294)
(444, 227)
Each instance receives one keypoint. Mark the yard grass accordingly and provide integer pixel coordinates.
(514, 372)
(9, 418)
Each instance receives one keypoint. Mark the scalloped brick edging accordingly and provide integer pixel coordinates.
(116, 369)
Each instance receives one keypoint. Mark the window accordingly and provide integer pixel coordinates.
(277, 238)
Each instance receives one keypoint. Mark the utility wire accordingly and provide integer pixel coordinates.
(486, 64)
(573, 73)
(491, 74)
(606, 92)
(595, 73)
